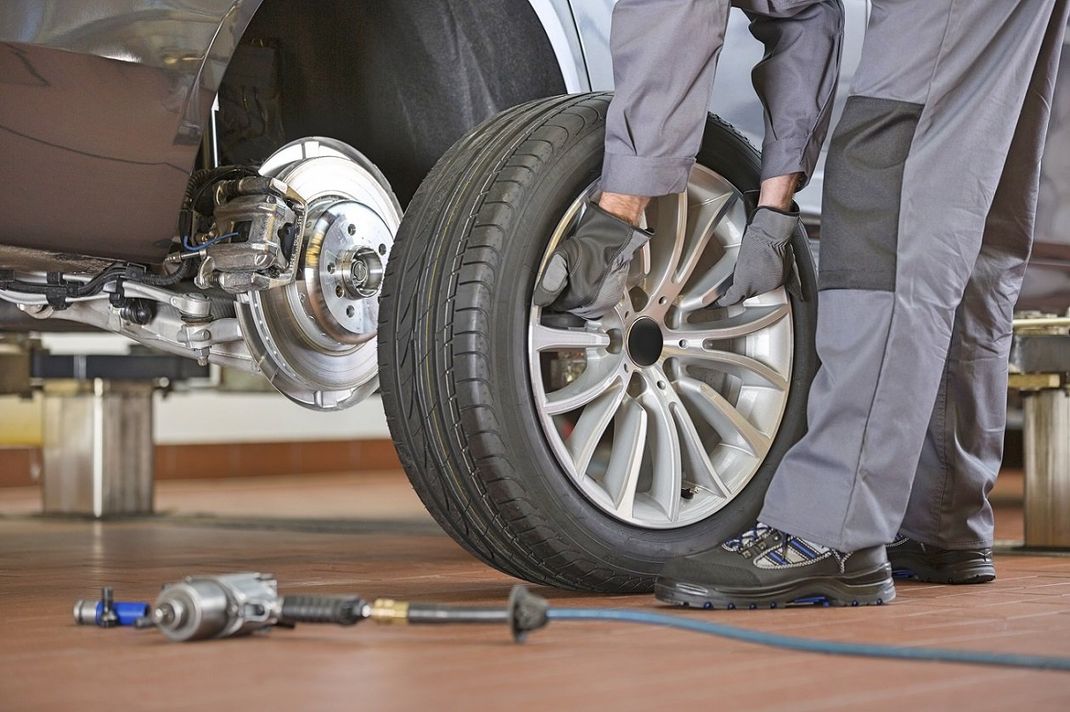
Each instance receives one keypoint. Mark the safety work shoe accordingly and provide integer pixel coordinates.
(766, 258)
(922, 562)
(588, 273)
(767, 568)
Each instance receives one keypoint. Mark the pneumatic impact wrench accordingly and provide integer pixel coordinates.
(200, 607)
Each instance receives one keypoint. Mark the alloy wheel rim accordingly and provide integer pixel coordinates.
(662, 411)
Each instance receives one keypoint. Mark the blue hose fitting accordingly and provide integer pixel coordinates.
(107, 613)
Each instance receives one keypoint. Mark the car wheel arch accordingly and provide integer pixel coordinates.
(353, 71)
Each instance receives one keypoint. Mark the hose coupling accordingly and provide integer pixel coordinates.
(389, 611)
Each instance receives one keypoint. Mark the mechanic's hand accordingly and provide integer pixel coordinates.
(766, 259)
(587, 273)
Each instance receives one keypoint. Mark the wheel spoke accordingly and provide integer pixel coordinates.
(667, 245)
(703, 473)
(752, 371)
(598, 377)
(707, 216)
(712, 285)
(552, 338)
(591, 426)
(750, 321)
(730, 424)
(668, 474)
(629, 442)
(720, 214)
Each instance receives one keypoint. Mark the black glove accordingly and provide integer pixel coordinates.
(766, 259)
(587, 273)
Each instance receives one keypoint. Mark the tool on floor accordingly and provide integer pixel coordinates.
(107, 612)
(199, 607)
(228, 605)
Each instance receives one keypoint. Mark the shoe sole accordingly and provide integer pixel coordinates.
(870, 588)
(917, 569)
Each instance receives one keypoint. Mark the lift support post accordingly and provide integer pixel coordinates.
(1040, 370)
(98, 429)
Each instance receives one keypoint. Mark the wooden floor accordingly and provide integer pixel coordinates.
(368, 534)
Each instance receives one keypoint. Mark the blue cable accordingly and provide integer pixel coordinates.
(895, 652)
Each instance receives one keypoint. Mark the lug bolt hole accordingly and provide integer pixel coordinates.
(662, 300)
(331, 268)
(339, 291)
(661, 385)
(352, 229)
(350, 311)
(382, 249)
(683, 343)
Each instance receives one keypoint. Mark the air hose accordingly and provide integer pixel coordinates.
(527, 612)
(809, 645)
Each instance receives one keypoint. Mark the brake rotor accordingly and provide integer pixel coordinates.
(315, 338)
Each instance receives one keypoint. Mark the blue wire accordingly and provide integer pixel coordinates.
(190, 247)
(897, 652)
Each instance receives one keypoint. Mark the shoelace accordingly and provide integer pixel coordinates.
(749, 538)
(760, 532)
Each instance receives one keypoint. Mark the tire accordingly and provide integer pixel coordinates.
(454, 368)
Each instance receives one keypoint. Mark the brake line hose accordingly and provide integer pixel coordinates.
(527, 612)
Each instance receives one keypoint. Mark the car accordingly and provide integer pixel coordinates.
(225, 181)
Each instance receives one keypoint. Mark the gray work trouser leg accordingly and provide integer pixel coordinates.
(664, 59)
(911, 179)
(963, 447)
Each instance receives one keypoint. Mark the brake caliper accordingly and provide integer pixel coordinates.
(256, 240)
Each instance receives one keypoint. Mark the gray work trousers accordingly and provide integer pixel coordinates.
(664, 59)
(930, 194)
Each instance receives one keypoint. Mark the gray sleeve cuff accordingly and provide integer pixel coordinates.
(780, 158)
(648, 177)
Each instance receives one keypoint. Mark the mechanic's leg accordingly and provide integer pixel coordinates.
(913, 170)
(911, 176)
(963, 448)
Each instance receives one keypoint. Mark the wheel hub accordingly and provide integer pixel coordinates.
(645, 341)
(343, 272)
(315, 338)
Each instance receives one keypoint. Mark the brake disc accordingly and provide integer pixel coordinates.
(315, 338)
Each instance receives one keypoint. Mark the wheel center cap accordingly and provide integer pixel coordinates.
(645, 341)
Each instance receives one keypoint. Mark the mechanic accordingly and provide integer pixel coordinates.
(928, 212)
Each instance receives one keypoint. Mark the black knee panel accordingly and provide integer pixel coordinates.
(862, 191)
